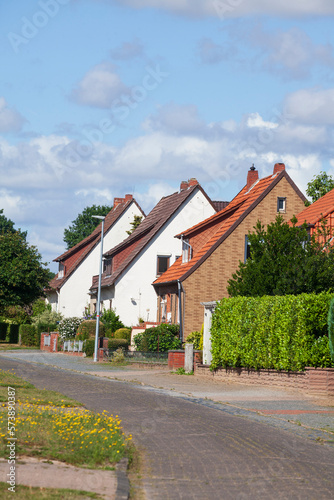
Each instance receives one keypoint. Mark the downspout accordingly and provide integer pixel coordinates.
(179, 289)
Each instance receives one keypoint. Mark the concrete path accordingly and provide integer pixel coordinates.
(198, 448)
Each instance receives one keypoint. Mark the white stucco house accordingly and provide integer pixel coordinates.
(68, 291)
(133, 265)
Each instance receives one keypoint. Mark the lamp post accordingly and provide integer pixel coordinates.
(99, 289)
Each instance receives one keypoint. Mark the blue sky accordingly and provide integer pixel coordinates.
(99, 98)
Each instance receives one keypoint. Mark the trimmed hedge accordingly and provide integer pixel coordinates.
(88, 347)
(123, 333)
(279, 332)
(29, 335)
(114, 344)
(164, 335)
(3, 330)
(87, 329)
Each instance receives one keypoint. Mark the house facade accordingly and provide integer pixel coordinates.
(148, 252)
(68, 291)
(315, 214)
(218, 244)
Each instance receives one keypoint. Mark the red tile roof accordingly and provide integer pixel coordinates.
(226, 221)
(75, 255)
(147, 229)
(318, 210)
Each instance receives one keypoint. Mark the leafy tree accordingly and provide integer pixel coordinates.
(284, 260)
(84, 224)
(22, 274)
(319, 186)
(135, 223)
(7, 225)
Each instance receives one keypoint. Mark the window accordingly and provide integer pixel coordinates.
(162, 264)
(107, 266)
(281, 204)
(247, 248)
(61, 270)
(186, 251)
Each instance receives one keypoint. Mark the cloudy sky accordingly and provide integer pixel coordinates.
(99, 98)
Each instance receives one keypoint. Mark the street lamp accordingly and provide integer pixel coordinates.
(99, 289)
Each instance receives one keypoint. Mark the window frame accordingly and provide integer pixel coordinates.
(159, 259)
(281, 199)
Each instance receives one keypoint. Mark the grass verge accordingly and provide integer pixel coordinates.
(51, 426)
(29, 493)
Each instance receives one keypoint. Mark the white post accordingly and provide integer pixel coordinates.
(98, 291)
(209, 307)
(189, 358)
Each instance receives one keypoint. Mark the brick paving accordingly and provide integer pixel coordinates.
(195, 448)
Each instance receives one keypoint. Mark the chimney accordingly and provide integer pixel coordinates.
(252, 177)
(183, 185)
(192, 182)
(128, 197)
(278, 167)
(118, 201)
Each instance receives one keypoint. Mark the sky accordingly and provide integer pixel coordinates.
(102, 98)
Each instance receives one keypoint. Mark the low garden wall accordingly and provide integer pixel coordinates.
(49, 342)
(176, 358)
(311, 380)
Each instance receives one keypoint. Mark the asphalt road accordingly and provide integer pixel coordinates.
(192, 451)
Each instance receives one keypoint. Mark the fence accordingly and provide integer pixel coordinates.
(73, 345)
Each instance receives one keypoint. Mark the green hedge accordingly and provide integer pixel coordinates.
(88, 347)
(29, 335)
(3, 330)
(123, 333)
(280, 332)
(114, 344)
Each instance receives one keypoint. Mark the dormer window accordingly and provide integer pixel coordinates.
(61, 271)
(186, 251)
(281, 205)
(107, 266)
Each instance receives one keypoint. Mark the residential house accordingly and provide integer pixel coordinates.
(213, 248)
(68, 292)
(315, 214)
(148, 252)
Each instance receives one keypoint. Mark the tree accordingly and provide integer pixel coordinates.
(22, 274)
(84, 224)
(319, 186)
(284, 260)
(135, 223)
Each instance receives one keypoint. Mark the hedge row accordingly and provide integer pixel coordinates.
(279, 332)
(9, 332)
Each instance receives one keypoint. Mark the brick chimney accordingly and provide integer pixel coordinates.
(183, 185)
(118, 201)
(192, 182)
(252, 177)
(278, 167)
(128, 197)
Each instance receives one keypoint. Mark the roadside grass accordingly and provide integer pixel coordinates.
(4, 346)
(51, 426)
(29, 493)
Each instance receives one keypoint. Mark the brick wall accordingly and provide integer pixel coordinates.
(53, 347)
(210, 280)
(312, 380)
(176, 359)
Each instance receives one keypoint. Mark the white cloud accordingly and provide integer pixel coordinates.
(256, 121)
(99, 87)
(10, 119)
(176, 119)
(311, 106)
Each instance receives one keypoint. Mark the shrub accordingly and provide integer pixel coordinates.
(88, 347)
(165, 336)
(195, 338)
(46, 317)
(3, 330)
(110, 319)
(278, 332)
(118, 356)
(87, 329)
(331, 329)
(13, 333)
(29, 335)
(68, 327)
(123, 333)
(114, 344)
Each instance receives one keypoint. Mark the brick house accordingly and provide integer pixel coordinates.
(68, 291)
(321, 210)
(212, 249)
(133, 264)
